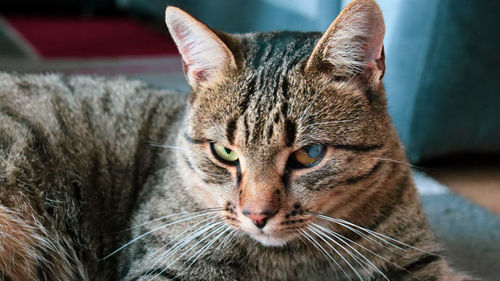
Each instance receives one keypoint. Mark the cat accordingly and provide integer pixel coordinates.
(281, 164)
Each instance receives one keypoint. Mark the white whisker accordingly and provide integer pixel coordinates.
(305, 242)
(205, 248)
(318, 246)
(336, 251)
(181, 244)
(187, 251)
(158, 259)
(151, 231)
(382, 236)
(184, 242)
(228, 238)
(209, 210)
(326, 235)
(363, 247)
(342, 239)
(347, 225)
(366, 236)
(398, 162)
(154, 144)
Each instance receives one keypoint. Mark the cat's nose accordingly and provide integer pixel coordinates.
(259, 220)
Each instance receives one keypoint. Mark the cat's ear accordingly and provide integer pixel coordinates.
(204, 55)
(353, 44)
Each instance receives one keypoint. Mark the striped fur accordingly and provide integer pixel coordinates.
(74, 155)
(107, 179)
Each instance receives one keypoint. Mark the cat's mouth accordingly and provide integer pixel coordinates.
(271, 239)
(273, 234)
(270, 236)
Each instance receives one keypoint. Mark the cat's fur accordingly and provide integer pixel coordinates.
(82, 159)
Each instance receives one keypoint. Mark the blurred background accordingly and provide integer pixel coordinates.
(442, 58)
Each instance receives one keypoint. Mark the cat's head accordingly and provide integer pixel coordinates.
(281, 124)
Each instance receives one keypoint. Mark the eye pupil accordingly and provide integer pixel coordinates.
(228, 151)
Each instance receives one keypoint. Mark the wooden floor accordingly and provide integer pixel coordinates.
(475, 178)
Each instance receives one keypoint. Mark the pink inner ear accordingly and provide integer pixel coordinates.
(204, 55)
(187, 61)
(381, 62)
(375, 58)
(374, 53)
(189, 69)
(373, 47)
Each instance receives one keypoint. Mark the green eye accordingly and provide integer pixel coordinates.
(223, 153)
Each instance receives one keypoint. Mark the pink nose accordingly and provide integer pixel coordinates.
(258, 219)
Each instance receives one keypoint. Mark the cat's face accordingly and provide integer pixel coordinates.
(282, 124)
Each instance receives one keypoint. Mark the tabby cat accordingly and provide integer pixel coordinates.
(281, 164)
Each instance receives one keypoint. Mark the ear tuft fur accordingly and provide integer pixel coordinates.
(353, 43)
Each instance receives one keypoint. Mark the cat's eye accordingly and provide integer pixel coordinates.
(308, 156)
(224, 154)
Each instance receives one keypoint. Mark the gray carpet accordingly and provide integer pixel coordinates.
(470, 234)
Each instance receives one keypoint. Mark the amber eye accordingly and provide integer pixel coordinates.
(309, 156)
(224, 154)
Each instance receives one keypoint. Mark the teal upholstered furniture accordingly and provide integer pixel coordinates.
(443, 76)
(442, 57)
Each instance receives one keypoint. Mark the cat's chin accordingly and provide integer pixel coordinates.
(271, 241)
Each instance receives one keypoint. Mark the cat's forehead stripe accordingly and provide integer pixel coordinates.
(271, 59)
(230, 130)
(247, 95)
(290, 132)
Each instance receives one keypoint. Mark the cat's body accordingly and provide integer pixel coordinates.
(84, 159)
(77, 152)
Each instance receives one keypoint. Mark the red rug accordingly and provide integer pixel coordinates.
(91, 37)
